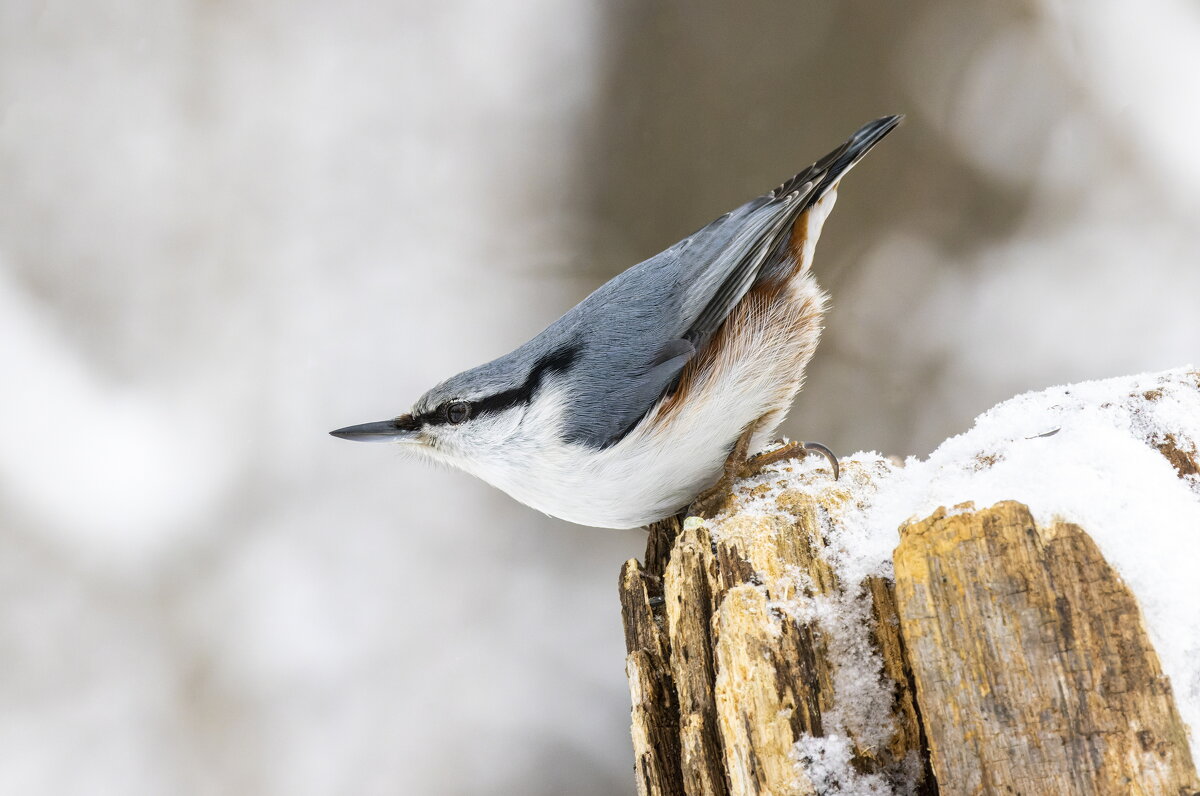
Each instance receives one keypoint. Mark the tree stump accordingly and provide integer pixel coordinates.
(801, 642)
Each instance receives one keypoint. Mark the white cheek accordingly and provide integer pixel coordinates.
(480, 444)
(492, 432)
(507, 448)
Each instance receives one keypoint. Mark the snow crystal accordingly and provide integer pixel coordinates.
(826, 761)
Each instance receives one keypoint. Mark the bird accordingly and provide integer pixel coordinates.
(645, 398)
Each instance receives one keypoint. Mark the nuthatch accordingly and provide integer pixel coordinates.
(652, 389)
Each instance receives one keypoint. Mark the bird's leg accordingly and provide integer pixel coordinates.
(738, 466)
(709, 501)
(755, 464)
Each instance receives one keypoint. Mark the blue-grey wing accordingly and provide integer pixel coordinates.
(640, 329)
(614, 406)
(643, 327)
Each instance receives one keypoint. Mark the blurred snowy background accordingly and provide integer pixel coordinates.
(226, 228)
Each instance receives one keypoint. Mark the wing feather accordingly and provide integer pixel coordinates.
(639, 330)
(763, 238)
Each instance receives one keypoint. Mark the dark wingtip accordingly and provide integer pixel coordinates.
(870, 133)
(859, 144)
(826, 171)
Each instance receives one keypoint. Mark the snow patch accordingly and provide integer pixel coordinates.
(826, 761)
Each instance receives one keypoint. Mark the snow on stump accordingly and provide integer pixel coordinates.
(1018, 613)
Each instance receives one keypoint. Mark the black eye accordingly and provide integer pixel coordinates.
(458, 412)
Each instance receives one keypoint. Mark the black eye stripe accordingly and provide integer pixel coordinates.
(555, 361)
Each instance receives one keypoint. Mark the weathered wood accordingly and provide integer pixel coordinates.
(654, 714)
(1033, 669)
(749, 679)
(909, 737)
(758, 699)
(688, 594)
(642, 631)
(655, 743)
(789, 556)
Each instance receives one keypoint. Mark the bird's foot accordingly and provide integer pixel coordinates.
(712, 500)
(755, 464)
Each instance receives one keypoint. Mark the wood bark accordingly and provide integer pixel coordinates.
(1012, 656)
(742, 680)
(1035, 653)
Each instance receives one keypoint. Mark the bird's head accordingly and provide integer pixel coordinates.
(480, 418)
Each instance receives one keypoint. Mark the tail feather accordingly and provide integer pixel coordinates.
(831, 168)
(767, 230)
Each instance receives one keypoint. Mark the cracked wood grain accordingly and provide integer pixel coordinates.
(1034, 672)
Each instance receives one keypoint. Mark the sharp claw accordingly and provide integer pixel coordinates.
(828, 454)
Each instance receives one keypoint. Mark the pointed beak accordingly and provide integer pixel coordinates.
(398, 429)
